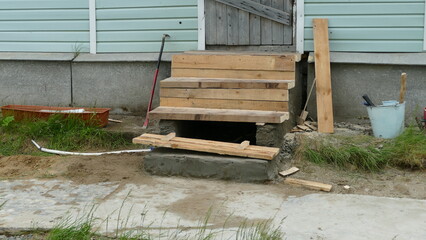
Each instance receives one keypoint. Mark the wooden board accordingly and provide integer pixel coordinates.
(237, 94)
(220, 115)
(235, 62)
(309, 184)
(241, 74)
(224, 104)
(222, 148)
(289, 172)
(323, 76)
(226, 83)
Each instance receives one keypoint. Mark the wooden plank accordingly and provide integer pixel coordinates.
(259, 9)
(242, 74)
(210, 14)
(255, 28)
(403, 88)
(288, 29)
(224, 104)
(221, 24)
(266, 27)
(235, 62)
(289, 172)
(323, 76)
(237, 94)
(309, 184)
(220, 115)
(243, 28)
(277, 28)
(233, 25)
(226, 83)
(199, 145)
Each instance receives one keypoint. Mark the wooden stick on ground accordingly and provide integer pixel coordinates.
(289, 172)
(309, 184)
(403, 88)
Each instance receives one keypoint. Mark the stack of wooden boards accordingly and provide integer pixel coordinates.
(217, 86)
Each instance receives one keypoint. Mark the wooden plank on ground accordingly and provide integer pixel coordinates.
(237, 94)
(241, 74)
(259, 9)
(235, 62)
(289, 172)
(224, 104)
(226, 83)
(222, 148)
(309, 184)
(323, 76)
(219, 115)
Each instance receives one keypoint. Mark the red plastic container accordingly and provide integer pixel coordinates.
(97, 116)
(424, 117)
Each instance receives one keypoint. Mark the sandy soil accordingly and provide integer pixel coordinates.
(127, 168)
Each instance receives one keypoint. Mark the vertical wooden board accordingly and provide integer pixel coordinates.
(288, 29)
(277, 28)
(266, 27)
(233, 22)
(323, 76)
(243, 28)
(255, 34)
(210, 13)
(221, 24)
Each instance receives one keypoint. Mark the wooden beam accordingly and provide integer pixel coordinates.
(188, 82)
(224, 104)
(309, 184)
(234, 62)
(323, 76)
(219, 115)
(199, 145)
(233, 74)
(236, 94)
(260, 10)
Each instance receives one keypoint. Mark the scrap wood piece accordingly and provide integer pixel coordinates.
(289, 172)
(223, 148)
(114, 120)
(169, 136)
(323, 76)
(303, 127)
(312, 127)
(244, 144)
(309, 184)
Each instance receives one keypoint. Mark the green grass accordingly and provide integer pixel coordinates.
(367, 153)
(70, 134)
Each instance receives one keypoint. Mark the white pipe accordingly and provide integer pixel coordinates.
(46, 150)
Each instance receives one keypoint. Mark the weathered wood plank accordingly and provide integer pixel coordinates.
(277, 28)
(309, 184)
(235, 62)
(288, 29)
(323, 76)
(241, 74)
(220, 115)
(224, 104)
(255, 33)
(244, 28)
(226, 83)
(238, 94)
(211, 30)
(259, 9)
(221, 24)
(233, 25)
(199, 145)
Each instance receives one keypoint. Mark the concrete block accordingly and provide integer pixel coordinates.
(123, 86)
(169, 162)
(380, 82)
(35, 83)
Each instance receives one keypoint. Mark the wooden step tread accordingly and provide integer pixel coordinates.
(219, 115)
(223, 148)
(190, 82)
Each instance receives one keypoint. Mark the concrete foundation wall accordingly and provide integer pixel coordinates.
(380, 82)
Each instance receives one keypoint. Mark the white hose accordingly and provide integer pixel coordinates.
(46, 150)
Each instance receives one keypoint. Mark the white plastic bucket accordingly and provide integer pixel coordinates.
(387, 121)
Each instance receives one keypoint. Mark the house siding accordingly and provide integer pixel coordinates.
(122, 26)
(368, 26)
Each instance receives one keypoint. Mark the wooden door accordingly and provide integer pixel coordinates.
(249, 22)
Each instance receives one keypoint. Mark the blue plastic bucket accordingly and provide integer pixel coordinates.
(388, 120)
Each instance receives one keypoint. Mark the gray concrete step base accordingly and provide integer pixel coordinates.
(171, 162)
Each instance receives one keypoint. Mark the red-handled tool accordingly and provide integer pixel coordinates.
(154, 83)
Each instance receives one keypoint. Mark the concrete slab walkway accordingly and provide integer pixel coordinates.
(167, 203)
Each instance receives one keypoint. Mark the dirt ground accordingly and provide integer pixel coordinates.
(127, 168)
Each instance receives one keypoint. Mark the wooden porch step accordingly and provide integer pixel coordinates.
(226, 83)
(220, 115)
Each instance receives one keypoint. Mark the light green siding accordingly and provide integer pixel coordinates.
(368, 26)
(44, 25)
(122, 25)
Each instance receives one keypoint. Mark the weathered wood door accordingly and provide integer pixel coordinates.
(232, 26)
